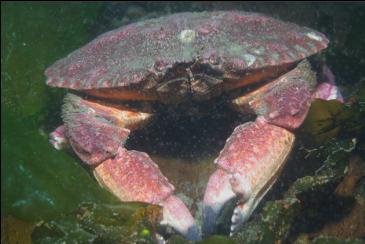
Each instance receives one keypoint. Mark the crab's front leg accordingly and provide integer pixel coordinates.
(254, 154)
(247, 167)
(97, 134)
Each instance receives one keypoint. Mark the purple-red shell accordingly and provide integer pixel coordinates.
(227, 41)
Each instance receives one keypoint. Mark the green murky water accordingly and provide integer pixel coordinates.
(40, 183)
(36, 181)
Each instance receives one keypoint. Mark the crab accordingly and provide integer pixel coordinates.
(256, 62)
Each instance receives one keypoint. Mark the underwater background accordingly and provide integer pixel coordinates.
(48, 196)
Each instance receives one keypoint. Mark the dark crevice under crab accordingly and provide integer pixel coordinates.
(259, 63)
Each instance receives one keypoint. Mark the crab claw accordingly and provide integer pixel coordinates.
(97, 133)
(248, 166)
(177, 215)
(219, 192)
(132, 176)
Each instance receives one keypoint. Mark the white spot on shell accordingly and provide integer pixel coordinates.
(187, 36)
(250, 59)
(314, 36)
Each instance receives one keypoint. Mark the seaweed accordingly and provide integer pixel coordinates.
(100, 223)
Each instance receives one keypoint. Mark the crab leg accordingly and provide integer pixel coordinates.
(97, 134)
(133, 177)
(255, 153)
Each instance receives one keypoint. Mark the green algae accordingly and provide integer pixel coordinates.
(37, 181)
(96, 223)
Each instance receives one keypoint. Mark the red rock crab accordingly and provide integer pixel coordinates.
(189, 58)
